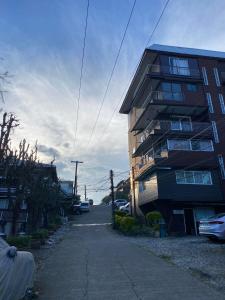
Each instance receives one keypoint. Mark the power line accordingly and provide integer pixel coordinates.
(81, 72)
(133, 73)
(112, 72)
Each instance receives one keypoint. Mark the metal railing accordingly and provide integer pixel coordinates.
(169, 70)
(163, 96)
(174, 70)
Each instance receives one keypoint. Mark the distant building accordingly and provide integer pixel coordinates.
(176, 113)
(8, 196)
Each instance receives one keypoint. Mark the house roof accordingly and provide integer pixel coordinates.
(148, 58)
(187, 51)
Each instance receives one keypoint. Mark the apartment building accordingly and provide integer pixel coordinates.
(176, 115)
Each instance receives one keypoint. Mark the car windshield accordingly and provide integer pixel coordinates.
(217, 216)
(84, 204)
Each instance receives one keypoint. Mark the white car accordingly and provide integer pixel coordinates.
(213, 227)
(125, 208)
(85, 206)
(120, 202)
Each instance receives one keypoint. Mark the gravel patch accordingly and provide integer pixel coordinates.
(205, 259)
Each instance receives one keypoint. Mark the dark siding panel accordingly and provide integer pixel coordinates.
(168, 189)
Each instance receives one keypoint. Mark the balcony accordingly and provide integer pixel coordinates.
(164, 103)
(158, 129)
(157, 72)
(163, 70)
(176, 159)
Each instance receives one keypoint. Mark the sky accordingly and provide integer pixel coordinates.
(41, 46)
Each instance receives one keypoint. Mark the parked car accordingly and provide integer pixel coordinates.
(77, 209)
(17, 270)
(125, 208)
(120, 202)
(85, 206)
(213, 227)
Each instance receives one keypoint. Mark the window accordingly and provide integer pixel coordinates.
(190, 145)
(202, 145)
(222, 105)
(209, 100)
(215, 133)
(4, 203)
(179, 145)
(171, 91)
(216, 75)
(204, 74)
(221, 163)
(181, 123)
(191, 87)
(194, 177)
(179, 66)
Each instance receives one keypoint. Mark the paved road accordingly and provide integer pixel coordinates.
(95, 263)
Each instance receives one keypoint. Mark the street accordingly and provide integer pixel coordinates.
(94, 262)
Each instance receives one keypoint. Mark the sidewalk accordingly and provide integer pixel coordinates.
(93, 262)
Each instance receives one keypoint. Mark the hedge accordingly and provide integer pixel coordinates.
(19, 241)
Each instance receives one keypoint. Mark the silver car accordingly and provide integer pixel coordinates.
(213, 227)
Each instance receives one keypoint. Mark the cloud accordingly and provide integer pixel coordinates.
(49, 151)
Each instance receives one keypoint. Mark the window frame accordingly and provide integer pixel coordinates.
(216, 76)
(205, 76)
(215, 132)
(209, 101)
(221, 164)
(222, 104)
(194, 173)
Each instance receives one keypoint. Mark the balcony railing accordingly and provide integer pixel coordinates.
(174, 70)
(179, 127)
(163, 96)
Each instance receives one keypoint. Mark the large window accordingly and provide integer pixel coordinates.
(181, 123)
(222, 105)
(4, 203)
(221, 163)
(209, 100)
(171, 91)
(205, 77)
(179, 66)
(194, 177)
(215, 132)
(216, 75)
(190, 145)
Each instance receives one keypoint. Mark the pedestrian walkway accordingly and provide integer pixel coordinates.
(94, 262)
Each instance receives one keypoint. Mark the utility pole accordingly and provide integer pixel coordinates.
(112, 193)
(134, 197)
(75, 176)
(85, 192)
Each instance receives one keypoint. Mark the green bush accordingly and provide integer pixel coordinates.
(57, 220)
(153, 219)
(120, 213)
(127, 223)
(40, 234)
(19, 241)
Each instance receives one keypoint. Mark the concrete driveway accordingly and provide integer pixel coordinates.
(93, 262)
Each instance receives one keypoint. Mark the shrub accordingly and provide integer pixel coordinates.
(153, 219)
(57, 220)
(127, 223)
(19, 241)
(40, 234)
(120, 213)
